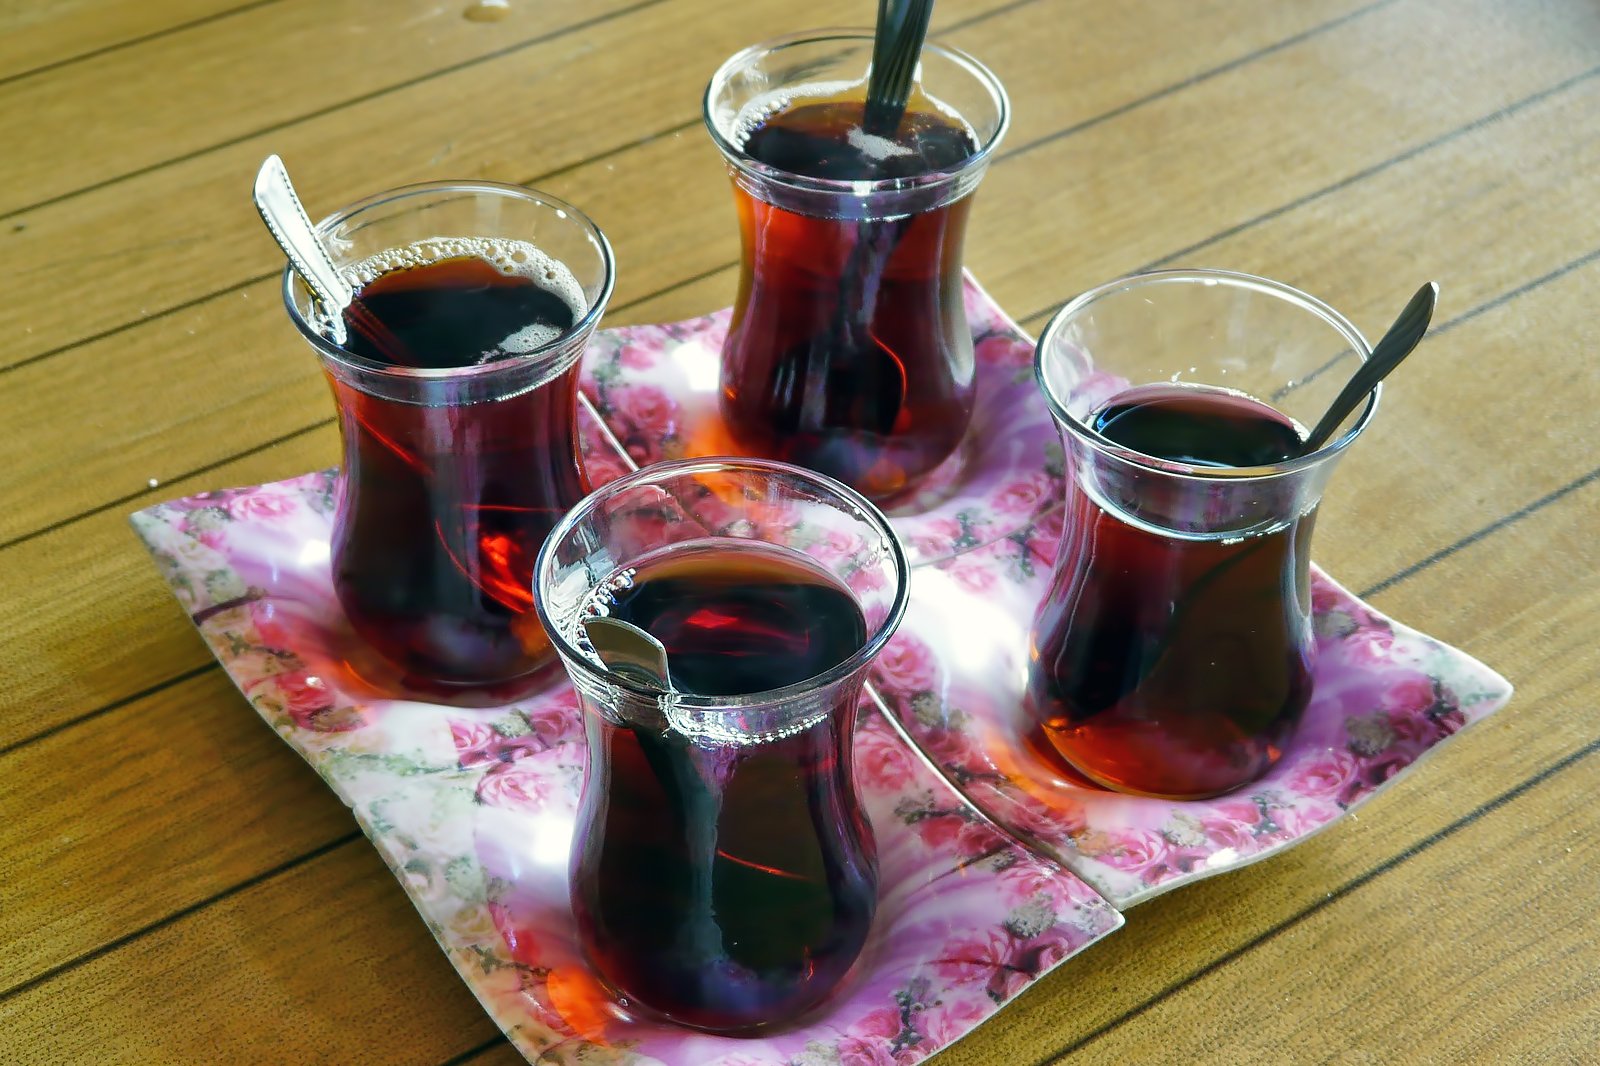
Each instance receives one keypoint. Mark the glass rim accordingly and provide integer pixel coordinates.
(737, 156)
(1233, 280)
(350, 360)
(676, 469)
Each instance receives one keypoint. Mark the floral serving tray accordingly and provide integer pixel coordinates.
(473, 808)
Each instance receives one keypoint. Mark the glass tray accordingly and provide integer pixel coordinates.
(472, 809)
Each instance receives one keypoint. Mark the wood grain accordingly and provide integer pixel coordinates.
(533, 112)
(179, 887)
(35, 37)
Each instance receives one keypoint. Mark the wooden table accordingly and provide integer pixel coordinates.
(176, 886)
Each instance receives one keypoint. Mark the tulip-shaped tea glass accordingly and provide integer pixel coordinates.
(1172, 654)
(724, 875)
(848, 351)
(457, 415)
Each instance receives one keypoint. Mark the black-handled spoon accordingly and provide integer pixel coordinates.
(1396, 344)
(896, 47)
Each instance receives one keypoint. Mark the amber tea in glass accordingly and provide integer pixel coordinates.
(1173, 653)
(724, 875)
(848, 350)
(458, 417)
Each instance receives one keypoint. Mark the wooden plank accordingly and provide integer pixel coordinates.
(595, 90)
(276, 61)
(1447, 985)
(1165, 939)
(328, 964)
(88, 619)
(140, 793)
(273, 396)
(35, 36)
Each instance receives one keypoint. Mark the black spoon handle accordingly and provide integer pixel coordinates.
(1390, 351)
(896, 47)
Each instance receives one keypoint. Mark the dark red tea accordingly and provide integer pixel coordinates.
(720, 883)
(445, 504)
(1169, 663)
(849, 351)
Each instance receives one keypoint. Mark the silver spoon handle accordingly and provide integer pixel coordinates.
(286, 219)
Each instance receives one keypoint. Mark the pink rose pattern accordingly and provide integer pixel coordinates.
(235, 560)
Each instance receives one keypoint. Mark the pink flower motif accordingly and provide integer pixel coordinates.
(937, 536)
(1008, 983)
(469, 736)
(860, 1051)
(974, 577)
(1232, 825)
(1003, 350)
(1023, 497)
(838, 545)
(1409, 695)
(310, 705)
(1301, 819)
(880, 1024)
(1024, 881)
(1044, 537)
(272, 627)
(263, 506)
(603, 466)
(1325, 597)
(954, 749)
(1325, 777)
(522, 785)
(1369, 646)
(557, 720)
(644, 413)
(637, 356)
(1135, 850)
(979, 838)
(972, 958)
(906, 666)
(882, 763)
(939, 831)
(1057, 821)
(1051, 947)
(478, 744)
(867, 579)
(949, 1021)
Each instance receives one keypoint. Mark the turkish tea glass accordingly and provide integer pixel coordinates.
(452, 477)
(724, 875)
(848, 351)
(1173, 653)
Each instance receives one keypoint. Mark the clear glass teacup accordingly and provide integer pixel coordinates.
(724, 875)
(849, 351)
(1173, 653)
(456, 463)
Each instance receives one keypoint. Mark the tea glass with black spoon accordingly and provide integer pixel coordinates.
(854, 157)
(1173, 653)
